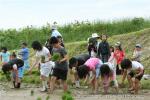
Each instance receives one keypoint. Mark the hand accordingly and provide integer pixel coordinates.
(16, 84)
(121, 84)
(30, 71)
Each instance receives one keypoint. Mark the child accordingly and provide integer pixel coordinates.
(93, 65)
(119, 55)
(137, 53)
(134, 71)
(25, 55)
(103, 49)
(61, 65)
(43, 57)
(74, 63)
(61, 41)
(108, 75)
(112, 58)
(4, 55)
(16, 66)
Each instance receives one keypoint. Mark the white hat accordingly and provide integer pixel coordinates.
(118, 44)
(138, 45)
(95, 35)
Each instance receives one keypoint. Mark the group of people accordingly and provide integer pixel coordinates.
(102, 60)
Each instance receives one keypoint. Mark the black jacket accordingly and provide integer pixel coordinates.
(103, 48)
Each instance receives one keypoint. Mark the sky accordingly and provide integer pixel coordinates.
(21, 13)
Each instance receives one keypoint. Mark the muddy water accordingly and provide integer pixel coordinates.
(80, 94)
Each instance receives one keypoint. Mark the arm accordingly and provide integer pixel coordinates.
(140, 72)
(93, 76)
(99, 50)
(37, 60)
(64, 59)
(124, 75)
(0, 57)
(111, 57)
(108, 48)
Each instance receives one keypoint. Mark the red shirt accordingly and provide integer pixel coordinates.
(119, 55)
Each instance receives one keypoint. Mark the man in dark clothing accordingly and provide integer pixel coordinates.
(103, 49)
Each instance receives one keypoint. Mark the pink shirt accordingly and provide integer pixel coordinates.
(92, 62)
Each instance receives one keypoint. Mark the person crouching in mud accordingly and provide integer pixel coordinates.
(15, 66)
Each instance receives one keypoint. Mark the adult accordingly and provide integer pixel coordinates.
(55, 32)
(93, 45)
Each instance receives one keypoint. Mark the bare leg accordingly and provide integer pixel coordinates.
(52, 84)
(65, 86)
(130, 82)
(136, 88)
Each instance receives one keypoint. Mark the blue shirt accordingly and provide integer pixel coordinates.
(24, 53)
(55, 33)
(5, 56)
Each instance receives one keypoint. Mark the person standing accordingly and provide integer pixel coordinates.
(45, 66)
(4, 55)
(24, 53)
(103, 49)
(119, 55)
(137, 53)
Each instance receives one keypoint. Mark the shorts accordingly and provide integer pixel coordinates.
(60, 73)
(97, 68)
(46, 68)
(132, 74)
(26, 64)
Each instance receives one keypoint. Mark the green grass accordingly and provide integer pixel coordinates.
(12, 38)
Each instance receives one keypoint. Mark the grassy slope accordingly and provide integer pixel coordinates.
(128, 42)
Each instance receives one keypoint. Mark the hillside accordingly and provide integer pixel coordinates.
(73, 32)
(128, 42)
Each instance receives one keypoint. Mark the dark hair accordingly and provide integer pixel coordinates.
(126, 63)
(4, 48)
(82, 71)
(72, 62)
(14, 55)
(111, 47)
(59, 37)
(36, 45)
(24, 43)
(54, 40)
(120, 48)
(103, 35)
(6, 68)
(105, 70)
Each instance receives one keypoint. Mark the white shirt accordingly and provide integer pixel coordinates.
(136, 65)
(110, 65)
(55, 33)
(44, 52)
(15, 67)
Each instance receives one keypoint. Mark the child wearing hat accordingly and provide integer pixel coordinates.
(137, 53)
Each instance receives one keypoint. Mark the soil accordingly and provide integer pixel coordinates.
(7, 93)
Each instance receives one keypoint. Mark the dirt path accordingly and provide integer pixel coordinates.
(79, 94)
